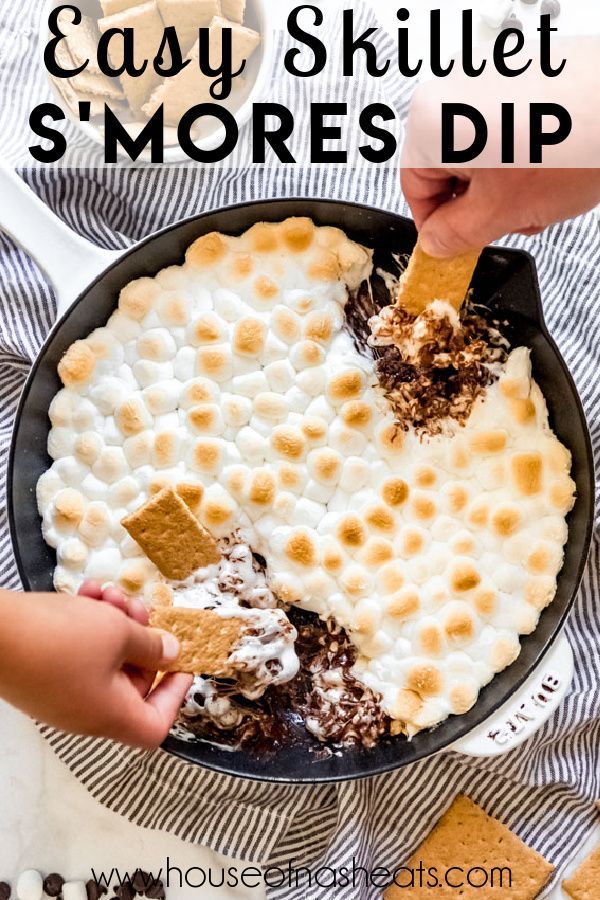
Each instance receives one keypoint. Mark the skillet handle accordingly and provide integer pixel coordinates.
(70, 262)
(526, 712)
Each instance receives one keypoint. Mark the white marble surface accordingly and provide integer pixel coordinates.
(47, 820)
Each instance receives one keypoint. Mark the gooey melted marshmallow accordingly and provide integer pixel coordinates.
(234, 372)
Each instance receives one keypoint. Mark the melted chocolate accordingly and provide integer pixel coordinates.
(439, 375)
(351, 715)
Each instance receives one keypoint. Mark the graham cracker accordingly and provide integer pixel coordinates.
(234, 10)
(207, 639)
(171, 536)
(73, 99)
(191, 86)
(187, 16)
(427, 279)
(466, 837)
(148, 34)
(110, 7)
(585, 883)
(82, 40)
(96, 84)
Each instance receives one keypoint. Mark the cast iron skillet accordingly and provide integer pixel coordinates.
(505, 280)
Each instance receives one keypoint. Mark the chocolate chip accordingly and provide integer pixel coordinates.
(156, 891)
(4, 890)
(141, 880)
(53, 884)
(125, 891)
(95, 890)
(512, 22)
(551, 8)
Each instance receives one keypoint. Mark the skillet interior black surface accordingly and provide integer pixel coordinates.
(505, 281)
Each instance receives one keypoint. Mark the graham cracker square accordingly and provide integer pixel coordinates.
(206, 639)
(171, 536)
(585, 883)
(467, 843)
(427, 279)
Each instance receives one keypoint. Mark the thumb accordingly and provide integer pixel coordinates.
(150, 648)
(458, 226)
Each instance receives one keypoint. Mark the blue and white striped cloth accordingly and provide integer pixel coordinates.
(545, 790)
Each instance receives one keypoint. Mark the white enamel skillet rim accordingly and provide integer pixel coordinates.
(87, 280)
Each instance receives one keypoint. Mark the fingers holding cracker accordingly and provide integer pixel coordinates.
(206, 639)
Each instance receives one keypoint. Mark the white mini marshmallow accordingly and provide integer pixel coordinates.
(250, 385)
(298, 400)
(198, 390)
(215, 361)
(253, 447)
(280, 375)
(347, 441)
(355, 474)
(95, 526)
(173, 278)
(228, 305)
(111, 433)
(72, 554)
(138, 449)
(62, 408)
(49, 484)
(123, 492)
(312, 381)
(61, 442)
(321, 407)
(318, 492)
(30, 885)
(184, 364)
(207, 328)
(340, 501)
(236, 411)
(70, 471)
(162, 397)
(157, 345)
(107, 395)
(93, 488)
(146, 372)
(308, 513)
(123, 328)
(306, 354)
(103, 565)
(74, 890)
(85, 415)
(273, 350)
(111, 465)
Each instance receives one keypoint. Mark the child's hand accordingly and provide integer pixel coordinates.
(87, 667)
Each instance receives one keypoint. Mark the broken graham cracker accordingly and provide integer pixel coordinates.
(207, 639)
(466, 837)
(585, 883)
(427, 279)
(171, 536)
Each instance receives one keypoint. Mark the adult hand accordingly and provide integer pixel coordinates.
(457, 210)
